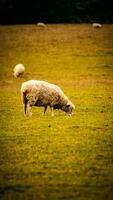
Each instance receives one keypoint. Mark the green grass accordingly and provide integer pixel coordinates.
(58, 157)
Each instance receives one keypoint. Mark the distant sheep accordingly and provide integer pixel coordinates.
(40, 24)
(19, 70)
(41, 93)
(96, 25)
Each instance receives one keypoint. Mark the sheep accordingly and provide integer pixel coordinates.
(96, 25)
(40, 24)
(18, 70)
(41, 93)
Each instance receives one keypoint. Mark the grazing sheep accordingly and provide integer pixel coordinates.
(19, 70)
(96, 25)
(40, 24)
(41, 93)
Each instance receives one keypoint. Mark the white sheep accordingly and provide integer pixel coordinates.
(41, 93)
(41, 24)
(96, 25)
(19, 70)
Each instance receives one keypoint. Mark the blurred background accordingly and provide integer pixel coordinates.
(60, 11)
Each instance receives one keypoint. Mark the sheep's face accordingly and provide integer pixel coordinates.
(68, 109)
(15, 74)
(18, 74)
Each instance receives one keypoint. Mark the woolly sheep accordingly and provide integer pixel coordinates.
(19, 70)
(40, 24)
(41, 93)
(96, 25)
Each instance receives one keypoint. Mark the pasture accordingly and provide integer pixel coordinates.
(58, 157)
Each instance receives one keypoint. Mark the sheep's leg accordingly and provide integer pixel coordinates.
(25, 101)
(30, 111)
(25, 109)
(45, 108)
(52, 111)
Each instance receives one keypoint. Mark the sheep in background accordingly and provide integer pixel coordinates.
(41, 93)
(40, 24)
(19, 70)
(96, 25)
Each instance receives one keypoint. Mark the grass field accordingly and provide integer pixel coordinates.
(58, 157)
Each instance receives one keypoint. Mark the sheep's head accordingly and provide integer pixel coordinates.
(16, 74)
(68, 108)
